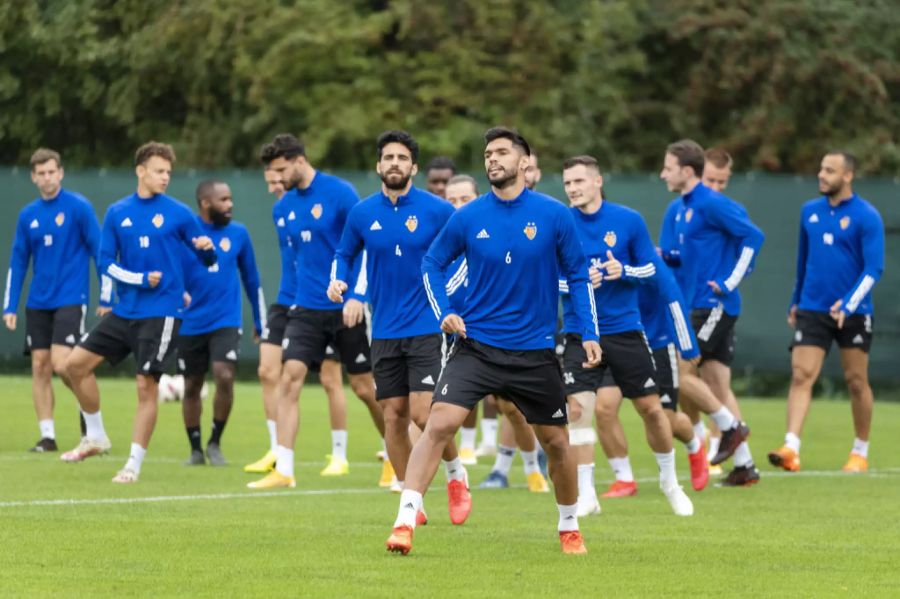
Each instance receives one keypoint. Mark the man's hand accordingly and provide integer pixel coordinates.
(187, 299)
(695, 361)
(10, 321)
(454, 324)
(837, 313)
(153, 278)
(612, 267)
(594, 355)
(715, 287)
(103, 311)
(596, 276)
(574, 409)
(353, 312)
(792, 317)
(203, 243)
(336, 291)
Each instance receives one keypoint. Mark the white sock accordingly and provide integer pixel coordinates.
(742, 456)
(667, 476)
(723, 418)
(693, 445)
(467, 438)
(713, 448)
(339, 444)
(284, 461)
(410, 504)
(568, 517)
(94, 425)
(586, 481)
(792, 441)
(700, 429)
(454, 469)
(273, 434)
(621, 467)
(861, 447)
(135, 458)
(48, 431)
(503, 462)
(530, 461)
(489, 432)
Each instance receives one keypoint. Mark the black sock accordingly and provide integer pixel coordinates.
(217, 428)
(193, 433)
(83, 424)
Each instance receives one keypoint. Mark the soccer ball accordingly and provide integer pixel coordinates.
(171, 388)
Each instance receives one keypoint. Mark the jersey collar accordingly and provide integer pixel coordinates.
(515, 201)
(406, 198)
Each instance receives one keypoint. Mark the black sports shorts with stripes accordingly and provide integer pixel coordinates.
(151, 340)
(62, 326)
(666, 360)
(715, 334)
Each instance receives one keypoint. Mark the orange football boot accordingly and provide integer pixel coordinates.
(400, 540)
(572, 542)
(856, 463)
(459, 500)
(786, 458)
(699, 469)
(620, 488)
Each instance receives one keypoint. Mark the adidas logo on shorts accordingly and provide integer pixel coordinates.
(558, 414)
(649, 383)
(360, 359)
(858, 339)
(428, 380)
(70, 339)
(231, 355)
(146, 366)
(483, 234)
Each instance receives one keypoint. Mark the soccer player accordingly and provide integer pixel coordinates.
(622, 258)
(395, 227)
(532, 172)
(840, 257)
(60, 233)
(438, 174)
(211, 323)
(314, 211)
(141, 249)
(712, 244)
(516, 243)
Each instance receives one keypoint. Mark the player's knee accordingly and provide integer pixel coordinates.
(581, 435)
(857, 383)
(802, 376)
(361, 386)
(223, 375)
(268, 374)
(555, 442)
(146, 385)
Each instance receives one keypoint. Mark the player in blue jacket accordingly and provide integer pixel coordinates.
(712, 244)
(212, 322)
(141, 249)
(516, 243)
(840, 257)
(60, 235)
(395, 227)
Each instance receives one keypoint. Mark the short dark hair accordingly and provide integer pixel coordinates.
(718, 157)
(284, 145)
(42, 155)
(395, 136)
(689, 153)
(463, 179)
(441, 162)
(205, 188)
(850, 161)
(151, 149)
(584, 160)
(510, 134)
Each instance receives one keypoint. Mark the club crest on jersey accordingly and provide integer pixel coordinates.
(610, 238)
(845, 222)
(225, 244)
(158, 221)
(688, 215)
(316, 211)
(530, 230)
(60, 219)
(412, 223)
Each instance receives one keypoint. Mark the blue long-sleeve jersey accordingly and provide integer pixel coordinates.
(515, 253)
(287, 289)
(664, 314)
(315, 219)
(622, 231)
(457, 275)
(840, 255)
(142, 235)
(62, 235)
(395, 238)
(216, 290)
(707, 236)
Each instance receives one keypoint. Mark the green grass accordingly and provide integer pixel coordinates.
(819, 533)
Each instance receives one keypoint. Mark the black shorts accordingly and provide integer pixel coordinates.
(196, 351)
(531, 379)
(820, 329)
(62, 326)
(576, 377)
(276, 321)
(715, 334)
(151, 340)
(630, 362)
(407, 365)
(666, 359)
(310, 332)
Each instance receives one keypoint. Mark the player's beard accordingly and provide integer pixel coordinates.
(504, 180)
(395, 184)
(830, 190)
(219, 219)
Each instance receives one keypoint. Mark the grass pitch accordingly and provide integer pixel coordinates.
(66, 530)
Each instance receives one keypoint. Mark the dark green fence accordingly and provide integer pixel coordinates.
(773, 201)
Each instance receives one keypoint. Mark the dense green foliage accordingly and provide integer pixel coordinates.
(775, 81)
